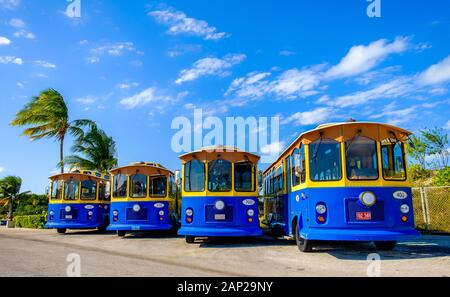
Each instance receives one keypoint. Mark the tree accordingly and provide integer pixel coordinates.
(10, 192)
(47, 116)
(97, 149)
(436, 142)
(442, 177)
(418, 150)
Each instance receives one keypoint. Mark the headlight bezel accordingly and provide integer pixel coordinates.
(368, 198)
(405, 209)
(189, 212)
(250, 212)
(321, 208)
(219, 205)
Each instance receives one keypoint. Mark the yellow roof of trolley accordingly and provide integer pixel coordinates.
(81, 173)
(342, 131)
(226, 152)
(151, 168)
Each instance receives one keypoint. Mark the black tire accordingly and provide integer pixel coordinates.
(61, 230)
(189, 239)
(385, 245)
(303, 245)
(121, 233)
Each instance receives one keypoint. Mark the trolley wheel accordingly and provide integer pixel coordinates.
(121, 233)
(385, 245)
(61, 230)
(190, 239)
(303, 245)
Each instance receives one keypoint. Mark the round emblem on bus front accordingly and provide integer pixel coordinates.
(400, 195)
(136, 207)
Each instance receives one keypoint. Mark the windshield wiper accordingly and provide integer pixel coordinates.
(351, 141)
(318, 147)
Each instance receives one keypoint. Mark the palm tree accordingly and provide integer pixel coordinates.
(10, 192)
(98, 151)
(47, 116)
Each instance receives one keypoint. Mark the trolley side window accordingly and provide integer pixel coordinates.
(71, 189)
(219, 176)
(158, 186)
(325, 160)
(107, 193)
(138, 184)
(120, 186)
(172, 187)
(243, 177)
(194, 176)
(88, 190)
(56, 189)
(361, 158)
(392, 157)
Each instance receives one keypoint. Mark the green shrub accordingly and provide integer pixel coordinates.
(417, 172)
(31, 221)
(442, 177)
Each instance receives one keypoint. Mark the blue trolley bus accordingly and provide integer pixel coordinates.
(78, 200)
(219, 193)
(342, 182)
(144, 197)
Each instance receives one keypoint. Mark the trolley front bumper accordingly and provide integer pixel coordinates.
(359, 234)
(219, 232)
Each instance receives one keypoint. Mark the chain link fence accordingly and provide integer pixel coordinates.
(432, 208)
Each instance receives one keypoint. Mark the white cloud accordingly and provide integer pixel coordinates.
(362, 58)
(396, 116)
(45, 64)
(209, 67)
(392, 89)
(272, 149)
(20, 85)
(437, 73)
(447, 125)
(9, 4)
(17, 23)
(4, 41)
(312, 117)
(127, 85)
(290, 84)
(24, 34)
(93, 60)
(287, 53)
(113, 50)
(86, 100)
(150, 95)
(179, 23)
(2, 169)
(10, 60)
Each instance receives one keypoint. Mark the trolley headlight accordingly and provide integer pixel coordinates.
(51, 213)
(250, 212)
(161, 212)
(404, 208)
(67, 208)
(367, 198)
(90, 213)
(219, 205)
(189, 212)
(321, 208)
(115, 213)
(136, 207)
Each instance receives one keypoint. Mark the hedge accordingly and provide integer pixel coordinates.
(30, 221)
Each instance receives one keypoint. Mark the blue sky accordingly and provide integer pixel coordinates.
(133, 66)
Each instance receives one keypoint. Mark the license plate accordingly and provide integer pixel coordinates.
(135, 228)
(219, 217)
(364, 216)
(69, 217)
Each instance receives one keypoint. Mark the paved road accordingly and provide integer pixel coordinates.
(26, 252)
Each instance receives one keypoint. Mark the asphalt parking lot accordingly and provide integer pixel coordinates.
(25, 252)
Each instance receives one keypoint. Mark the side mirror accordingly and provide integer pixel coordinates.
(178, 177)
(47, 190)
